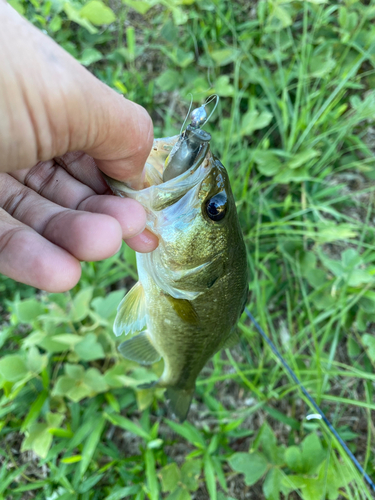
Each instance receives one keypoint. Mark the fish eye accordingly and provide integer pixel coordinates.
(216, 207)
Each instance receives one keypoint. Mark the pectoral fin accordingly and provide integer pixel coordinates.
(139, 349)
(131, 312)
(179, 401)
(184, 309)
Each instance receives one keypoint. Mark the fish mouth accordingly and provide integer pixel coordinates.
(156, 194)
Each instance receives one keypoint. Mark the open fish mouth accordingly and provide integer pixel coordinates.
(158, 194)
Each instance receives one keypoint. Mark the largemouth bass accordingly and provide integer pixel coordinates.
(193, 288)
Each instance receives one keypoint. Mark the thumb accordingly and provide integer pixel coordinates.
(129, 141)
(121, 135)
(58, 106)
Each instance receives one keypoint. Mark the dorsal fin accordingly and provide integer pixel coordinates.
(139, 349)
(131, 312)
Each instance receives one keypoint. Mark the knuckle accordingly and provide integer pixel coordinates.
(14, 201)
(40, 176)
(7, 234)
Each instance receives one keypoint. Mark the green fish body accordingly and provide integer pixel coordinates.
(193, 288)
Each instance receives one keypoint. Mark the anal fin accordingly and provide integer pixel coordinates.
(139, 349)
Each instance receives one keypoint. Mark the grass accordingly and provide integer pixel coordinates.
(294, 128)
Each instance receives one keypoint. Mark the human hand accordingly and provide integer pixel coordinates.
(55, 117)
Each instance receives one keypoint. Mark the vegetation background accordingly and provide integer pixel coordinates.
(294, 129)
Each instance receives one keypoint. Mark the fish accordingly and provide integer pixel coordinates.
(193, 288)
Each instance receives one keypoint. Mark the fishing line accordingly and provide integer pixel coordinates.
(210, 99)
(320, 413)
(188, 113)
